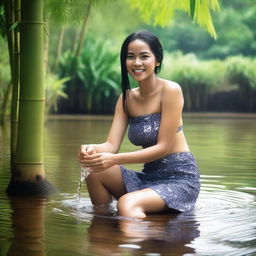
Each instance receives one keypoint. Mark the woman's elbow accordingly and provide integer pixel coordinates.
(112, 148)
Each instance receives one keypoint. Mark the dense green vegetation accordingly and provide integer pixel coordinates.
(193, 58)
(95, 78)
(82, 63)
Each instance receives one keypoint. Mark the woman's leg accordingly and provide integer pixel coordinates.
(138, 203)
(103, 185)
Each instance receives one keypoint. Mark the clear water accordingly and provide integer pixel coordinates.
(223, 223)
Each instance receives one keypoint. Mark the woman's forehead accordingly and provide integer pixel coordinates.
(138, 46)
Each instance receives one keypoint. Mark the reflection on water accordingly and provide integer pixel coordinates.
(28, 227)
(223, 223)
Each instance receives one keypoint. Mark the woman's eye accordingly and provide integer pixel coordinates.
(144, 56)
(129, 57)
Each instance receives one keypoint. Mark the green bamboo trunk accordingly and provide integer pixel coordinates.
(16, 84)
(28, 172)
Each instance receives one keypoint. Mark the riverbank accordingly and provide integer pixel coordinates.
(203, 115)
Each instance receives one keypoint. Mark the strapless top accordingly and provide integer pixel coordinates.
(143, 130)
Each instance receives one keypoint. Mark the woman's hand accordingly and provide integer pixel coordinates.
(99, 161)
(85, 150)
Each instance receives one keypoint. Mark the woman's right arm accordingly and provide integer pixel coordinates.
(115, 135)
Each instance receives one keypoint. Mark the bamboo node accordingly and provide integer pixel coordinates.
(31, 22)
(31, 99)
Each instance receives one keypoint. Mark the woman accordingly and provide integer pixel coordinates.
(170, 178)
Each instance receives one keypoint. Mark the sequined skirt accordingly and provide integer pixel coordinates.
(175, 178)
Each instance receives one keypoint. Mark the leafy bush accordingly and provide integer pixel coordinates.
(197, 78)
(95, 77)
(54, 90)
(97, 72)
(240, 71)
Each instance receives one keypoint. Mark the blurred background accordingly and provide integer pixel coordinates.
(82, 57)
(82, 78)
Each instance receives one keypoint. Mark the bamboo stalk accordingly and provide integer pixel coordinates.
(29, 174)
(83, 29)
(16, 83)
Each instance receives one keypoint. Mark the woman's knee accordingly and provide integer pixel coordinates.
(110, 179)
(141, 202)
(127, 206)
(99, 176)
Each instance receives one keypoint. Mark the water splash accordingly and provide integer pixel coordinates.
(84, 173)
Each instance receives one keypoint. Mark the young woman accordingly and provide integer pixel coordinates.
(170, 177)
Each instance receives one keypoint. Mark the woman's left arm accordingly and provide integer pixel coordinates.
(172, 105)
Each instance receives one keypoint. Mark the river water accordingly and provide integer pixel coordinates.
(223, 223)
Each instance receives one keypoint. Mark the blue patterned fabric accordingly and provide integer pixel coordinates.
(175, 177)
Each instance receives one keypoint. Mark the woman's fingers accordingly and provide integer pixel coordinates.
(91, 157)
(87, 150)
(83, 149)
(98, 161)
(91, 160)
(90, 150)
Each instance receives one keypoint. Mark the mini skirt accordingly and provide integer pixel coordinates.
(175, 178)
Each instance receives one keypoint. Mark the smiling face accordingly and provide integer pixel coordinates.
(140, 60)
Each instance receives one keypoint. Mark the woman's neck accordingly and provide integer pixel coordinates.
(149, 85)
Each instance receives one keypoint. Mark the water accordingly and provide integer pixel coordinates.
(84, 173)
(223, 223)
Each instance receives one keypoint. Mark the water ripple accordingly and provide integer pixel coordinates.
(225, 220)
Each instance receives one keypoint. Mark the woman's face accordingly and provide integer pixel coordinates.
(140, 60)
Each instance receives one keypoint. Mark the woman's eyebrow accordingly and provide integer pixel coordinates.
(132, 53)
(144, 53)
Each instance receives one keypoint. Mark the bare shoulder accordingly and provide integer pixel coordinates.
(170, 88)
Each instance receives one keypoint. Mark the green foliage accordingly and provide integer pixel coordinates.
(235, 25)
(95, 71)
(4, 79)
(197, 78)
(200, 80)
(241, 71)
(68, 64)
(2, 21)
(54, 90)
(162, 12)
(66, 11)
(5, 86)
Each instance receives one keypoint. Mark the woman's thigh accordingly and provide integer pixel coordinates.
(111, 179)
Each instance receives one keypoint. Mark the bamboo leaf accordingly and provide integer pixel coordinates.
(162, 12)
(192, 8)
(14, 25)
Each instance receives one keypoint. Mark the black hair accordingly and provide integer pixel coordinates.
(154, 45)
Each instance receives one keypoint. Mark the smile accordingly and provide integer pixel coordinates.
(138, 71)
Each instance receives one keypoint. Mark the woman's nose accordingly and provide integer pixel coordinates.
(137, 62)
